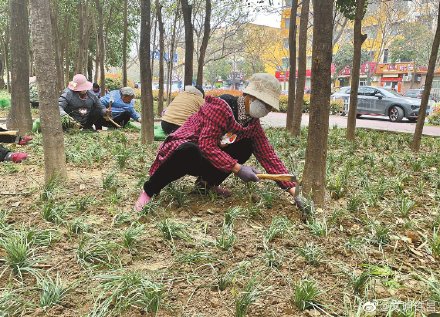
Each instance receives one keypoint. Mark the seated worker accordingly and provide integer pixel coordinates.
(182, 107)
(122, 105)
(96, 90)
(16, 157)
(7, 136)
(218, 140)
(78, 102)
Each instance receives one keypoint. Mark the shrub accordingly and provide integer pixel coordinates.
(219, 92)
(284, 99)
(336, 106)
(434, 118)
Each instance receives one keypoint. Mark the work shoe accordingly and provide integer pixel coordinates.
(18, 157)
(25, 140)
(142, 200)
(204, 188)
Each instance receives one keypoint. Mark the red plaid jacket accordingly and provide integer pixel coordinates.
(206, 128)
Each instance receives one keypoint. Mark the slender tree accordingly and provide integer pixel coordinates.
(189, 42)
(101, 42)
(147, 126)
(428, 84)
(205, 41)
(161, 56)
(124, 45)
(292, 68)
(316, 152)
(19, 117)
(359, 39)
(53, 139)
(171, 55)
(302, 66)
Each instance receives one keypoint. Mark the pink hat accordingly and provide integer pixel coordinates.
(80, 83)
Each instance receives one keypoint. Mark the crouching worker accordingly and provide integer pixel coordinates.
(218, 140)
(82, 106)
(8, 156)
(121, 104)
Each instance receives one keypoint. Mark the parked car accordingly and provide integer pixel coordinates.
(418, 93)
(378, 101)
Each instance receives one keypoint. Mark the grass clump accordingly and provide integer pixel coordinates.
(311, 253)
(227, 238)
(52, 291)
(131, 236)
(278, 227)
(305, 294)
(96, 253)
(228, 278)
(251, 292)
(171, 230)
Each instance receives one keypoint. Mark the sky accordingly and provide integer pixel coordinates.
(269, 19)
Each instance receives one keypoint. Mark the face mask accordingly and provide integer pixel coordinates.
(257, 109)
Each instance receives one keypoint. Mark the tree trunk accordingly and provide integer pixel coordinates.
(2, 73)
(101, 47)
(78, 62)
(124, 46)
(7, 65)
(302, 66)
(53, 139)
(171, 59)
(161, 57)
(19, 117)
(89, 67)
(67, 52)
(292, 62)
(147, 126)
(316, 152)
(205, 40)
(189, 42)
(428, 84)
(355, 70)
(97, 63)
(56, 44)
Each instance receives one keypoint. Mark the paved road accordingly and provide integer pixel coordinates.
(276, 119)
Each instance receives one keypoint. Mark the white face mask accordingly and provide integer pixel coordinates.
(257, 109)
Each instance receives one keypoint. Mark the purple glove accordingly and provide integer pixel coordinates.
(248, 174)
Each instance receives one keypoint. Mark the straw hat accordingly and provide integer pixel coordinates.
(266, 88)
(80, 83)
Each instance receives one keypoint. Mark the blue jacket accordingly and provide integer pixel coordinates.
(118, 106)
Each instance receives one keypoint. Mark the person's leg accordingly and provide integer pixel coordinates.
(169, 128)
(122, 119)
(8, 136)
(186, 160)
(16, 157)
(3, 153)
(241, 151)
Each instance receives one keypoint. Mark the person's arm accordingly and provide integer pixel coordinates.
(267, 157)
(105, 100)
(99, 105)
(133, 113)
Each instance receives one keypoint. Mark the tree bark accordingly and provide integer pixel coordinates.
(161, 57)
(101, 46)
(189, 42)
(56, 44)
(292, 62)
(147, 125)
(78, 62)
(204, 45)
(53, 139)
(316, 152)
(428, 84)
(67, 52)
(355, 70)
(171, 59)
(19, 117)
(302, 66)
(2, 73)
(124, 46)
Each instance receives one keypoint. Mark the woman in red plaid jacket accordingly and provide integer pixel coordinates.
(217, 140)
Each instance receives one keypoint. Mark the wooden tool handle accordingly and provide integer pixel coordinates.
(277, 177)
(12, 132)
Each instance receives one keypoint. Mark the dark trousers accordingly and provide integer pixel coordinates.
(122, 119)
(168, 127)
(187, 159)
(8, 138)
(3, 152)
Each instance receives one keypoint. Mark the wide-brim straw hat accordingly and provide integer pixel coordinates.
(266, 88)
(80, 83)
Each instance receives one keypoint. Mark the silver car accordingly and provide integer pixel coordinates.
(377, 101)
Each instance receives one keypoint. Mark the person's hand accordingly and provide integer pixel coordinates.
(140, 120)
(248, 174)
(108, 114)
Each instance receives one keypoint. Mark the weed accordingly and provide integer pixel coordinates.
(273, 259)
(96, 253)
(123, 218)
(435, 243)
(248, 296)
(151, 207)
(9, 167)
(404, 206)
(20, 255)
(131, 235)
(78, 226)
(172, 230)
(122, 154)
(231, 275)
(3, 219)
(52, 291)
(42, 237)
(12, 304)
(227, 237)
(278, 227)
(110, 182)
(53, 212)
(370, 271)
(177, 195)
(122, 290)
(195, 257)
(312, 253)
(318, 228)
(50, 188)
(380, 234)
(337, 185)
(83, 202)
(254, 211)
(354, 203)
(433, 284)
(232, 214)
(268, 198)
(305, 294)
